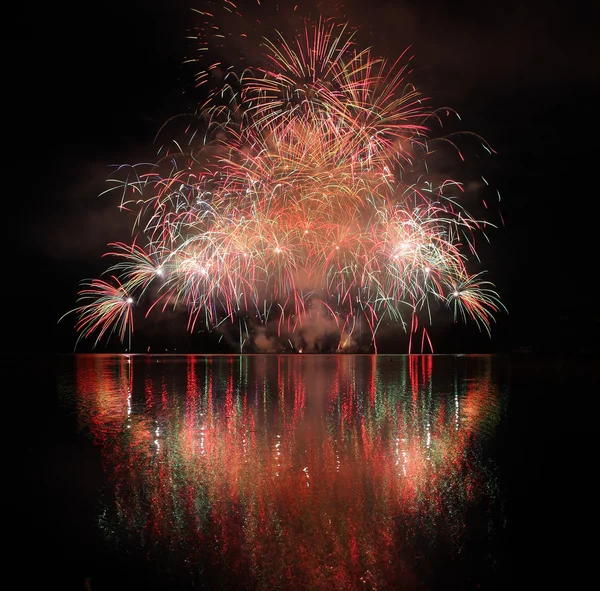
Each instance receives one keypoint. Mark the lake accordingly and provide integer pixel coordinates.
(298, 471)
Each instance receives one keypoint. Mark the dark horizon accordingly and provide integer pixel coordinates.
(522, 75)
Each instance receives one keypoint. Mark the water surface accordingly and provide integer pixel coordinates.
(291, 472)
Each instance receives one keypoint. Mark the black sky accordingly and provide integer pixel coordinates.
(93, 86)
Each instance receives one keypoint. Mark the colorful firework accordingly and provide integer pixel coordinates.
(302, 190)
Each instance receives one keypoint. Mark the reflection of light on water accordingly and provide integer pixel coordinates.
(456, 411)
(247, 451)
(156, 442)
(305, 470)
(277, 454)
(402, 457)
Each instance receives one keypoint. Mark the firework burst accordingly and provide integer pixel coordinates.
(302, 188)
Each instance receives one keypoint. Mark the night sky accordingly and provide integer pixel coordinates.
(96, 85)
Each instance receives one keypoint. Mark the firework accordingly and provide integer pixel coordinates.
(302, 189)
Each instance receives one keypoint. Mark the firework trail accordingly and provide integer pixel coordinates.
(301, 188)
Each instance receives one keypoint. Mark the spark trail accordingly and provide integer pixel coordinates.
(301, 190)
